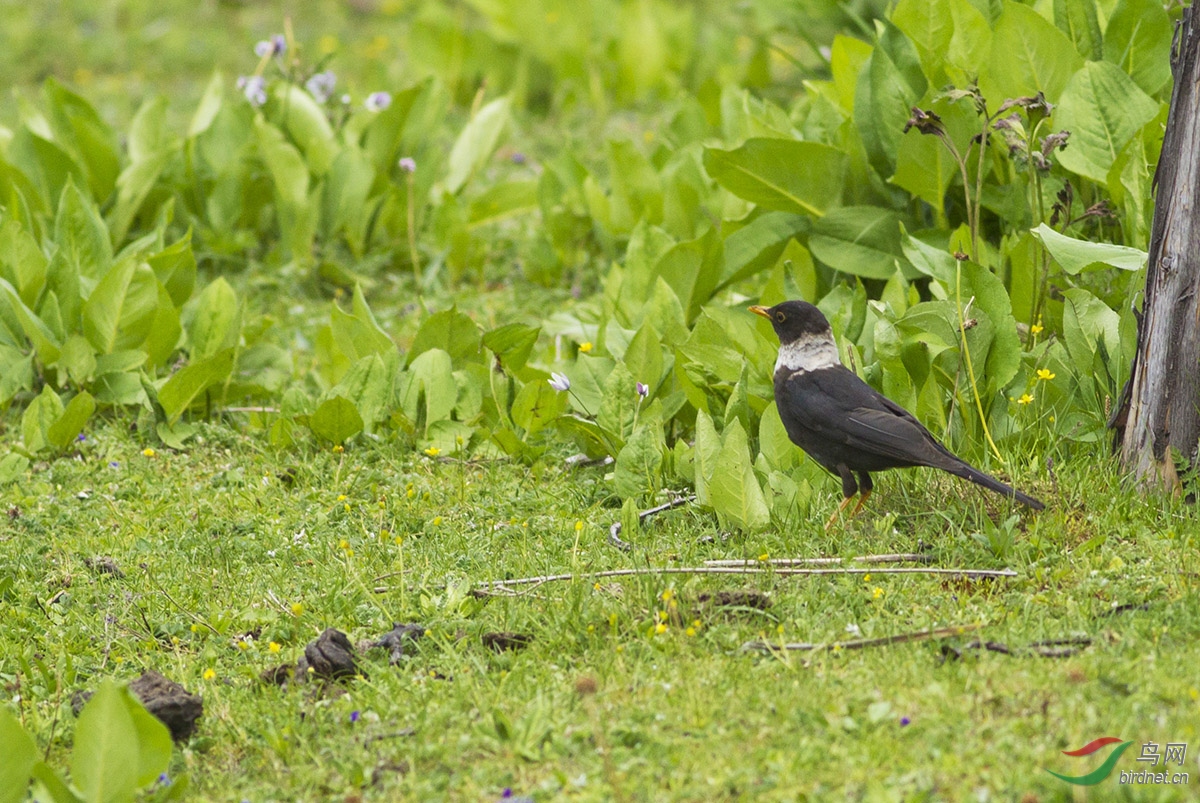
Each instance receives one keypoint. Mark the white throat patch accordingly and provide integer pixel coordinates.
(810, 353)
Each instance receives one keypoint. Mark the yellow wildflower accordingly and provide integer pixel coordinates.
(877, 592)
(209, 674)
(433, 451)
(1045, 373)
(660, 628)
(274, 646)
(1036, 328)
(148, 452)
(586, 347)
(1025, 399)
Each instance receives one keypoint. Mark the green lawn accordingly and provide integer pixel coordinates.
(229, 548)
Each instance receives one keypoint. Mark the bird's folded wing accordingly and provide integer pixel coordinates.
(885, 432)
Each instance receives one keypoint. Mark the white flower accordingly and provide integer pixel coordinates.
(559, 382)
(321, 85)
(378, 101)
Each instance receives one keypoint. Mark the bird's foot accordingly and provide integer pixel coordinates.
(845, 503)
(862, 500)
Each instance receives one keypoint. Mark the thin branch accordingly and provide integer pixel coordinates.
(858, 644)
(898, 557)
(502, 586)
(614, 532)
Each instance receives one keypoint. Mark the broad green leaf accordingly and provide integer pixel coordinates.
(20, 754)
(105, 307)
(619, 406)
(638, 470)
(175, 267)
(1103, 109)
(45, 342)
(12, 466)
(476, 143)
(1029, 55)
(133, 186)
(80, 233)
(1077, 19)
(774, 443)
(781, 174)
(357, 333)
(210, 104)
(1138, 40)
(934, 262)
(859, 240)
(105, 762)
(336, 420)
(512, 344)
(692, 269)
(368, 384)
(16, 373)
(970, 44)
(22, 262)
(81, 131)
(305, 121)
(215, 322)
(756, 247)
(733, 488)
(847, 56)
(62, 433)
(428, 391)
(41, 414)
(289, 173)
(1089, 326)
(1074, 256)
(708, 447)
(449, 330)
(501, 201)
(890, 84)
(1004, 355)
(536, 406)
(930, 26)
(164, 330)
(637, 193)
(384, 134)
(644, 358)
(154, 742)
(188, 383)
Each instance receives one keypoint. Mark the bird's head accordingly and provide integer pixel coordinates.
(795, 321)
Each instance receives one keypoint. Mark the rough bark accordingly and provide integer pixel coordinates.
(1160, 416)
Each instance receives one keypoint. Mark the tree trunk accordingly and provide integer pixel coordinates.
(1160, 415)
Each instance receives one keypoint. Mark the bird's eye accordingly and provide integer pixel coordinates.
(779, 316)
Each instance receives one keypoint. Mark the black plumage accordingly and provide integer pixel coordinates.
(842, 422)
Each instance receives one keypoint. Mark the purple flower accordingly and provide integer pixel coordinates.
(164, 779)
(378, 101)
(275, 46)
(518, 158)
(904, 721)
(559, 382)
(507, 793)
(254, 88)
(81, 437)
(643, 389)
(408, 164)
(321, 85)
(354, 716)
(114, 464)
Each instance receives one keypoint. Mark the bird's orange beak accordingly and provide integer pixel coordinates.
(763, 311)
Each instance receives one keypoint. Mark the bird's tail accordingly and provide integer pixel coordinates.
(969, 472)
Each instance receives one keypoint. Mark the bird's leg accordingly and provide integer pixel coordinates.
(865, 486)
(849, 491)
(845, 504)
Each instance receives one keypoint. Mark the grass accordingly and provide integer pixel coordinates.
(229, 548)
(234, 556)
